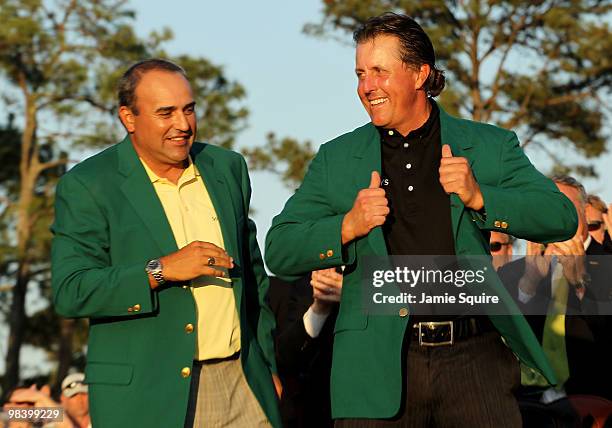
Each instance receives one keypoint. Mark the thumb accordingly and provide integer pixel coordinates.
(374, 181)
(446, 151)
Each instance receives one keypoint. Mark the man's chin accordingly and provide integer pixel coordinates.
(179, 154)
(379, 122)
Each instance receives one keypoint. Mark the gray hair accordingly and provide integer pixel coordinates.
(572, 182)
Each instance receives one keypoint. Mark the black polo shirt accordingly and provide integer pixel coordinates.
(420, 220)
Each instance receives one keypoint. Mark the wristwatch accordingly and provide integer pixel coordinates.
(154, 267)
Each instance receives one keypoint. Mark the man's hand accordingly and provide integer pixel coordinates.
(572, 257)
(326, 290)
(194, 260)
(369, 210)
(456, 177)
(32, 396)
(537, 265)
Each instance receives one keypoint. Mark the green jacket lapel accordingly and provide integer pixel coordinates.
(461, 145)
(223, 202)
(139, 191)
(367, 153)
(220, 195)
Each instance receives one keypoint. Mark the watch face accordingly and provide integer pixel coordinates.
(154, 265)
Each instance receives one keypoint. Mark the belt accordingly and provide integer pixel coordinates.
(445, 333)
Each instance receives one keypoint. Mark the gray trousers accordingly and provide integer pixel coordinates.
(220, 397)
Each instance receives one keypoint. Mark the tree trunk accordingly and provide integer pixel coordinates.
(27, 175)
(64, 354)
(16, 326)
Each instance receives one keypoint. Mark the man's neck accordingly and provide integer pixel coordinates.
(422, 109)
(171, 172)
(81, 421)
(598, 235)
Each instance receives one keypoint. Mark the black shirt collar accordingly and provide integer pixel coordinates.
(394, 138)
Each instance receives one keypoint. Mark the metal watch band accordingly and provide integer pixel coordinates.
(158, 277)
(154, 268)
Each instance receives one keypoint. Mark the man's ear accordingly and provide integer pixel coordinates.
(126, 115)
(423, 75)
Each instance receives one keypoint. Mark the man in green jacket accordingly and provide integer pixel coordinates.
(416, 181)
(152, 242)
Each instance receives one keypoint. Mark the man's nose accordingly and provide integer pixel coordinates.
(368, 84)
(180, 122)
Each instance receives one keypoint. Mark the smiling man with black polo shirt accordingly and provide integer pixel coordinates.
(446, 183)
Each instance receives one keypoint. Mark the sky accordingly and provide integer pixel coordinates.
(297, 85)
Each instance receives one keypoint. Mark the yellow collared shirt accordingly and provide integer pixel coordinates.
(192, 217)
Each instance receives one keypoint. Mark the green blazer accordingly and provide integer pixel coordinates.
(306, 235)
(108, 223)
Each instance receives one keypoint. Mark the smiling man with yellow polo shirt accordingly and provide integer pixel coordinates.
(154, 245)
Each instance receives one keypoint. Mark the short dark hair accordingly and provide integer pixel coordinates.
(416, 47)
(126, 88)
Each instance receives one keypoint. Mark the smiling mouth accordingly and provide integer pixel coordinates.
(180, 140)
(378, 101)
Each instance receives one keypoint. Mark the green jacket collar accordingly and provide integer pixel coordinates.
(367, 150)
(142, 196)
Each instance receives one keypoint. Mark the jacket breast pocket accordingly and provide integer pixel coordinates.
(108, 373)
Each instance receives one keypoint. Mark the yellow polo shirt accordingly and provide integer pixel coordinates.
(192, 217)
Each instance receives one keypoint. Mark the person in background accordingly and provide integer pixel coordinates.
(74, 399)
(501, 248)
(599, 218)
(304, 348)
(561, 286)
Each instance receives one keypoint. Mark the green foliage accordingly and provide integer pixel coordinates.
(542, 67)
(287, 158)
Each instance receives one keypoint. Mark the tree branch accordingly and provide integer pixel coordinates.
(51, 99)
(495, 87)
(50, 164)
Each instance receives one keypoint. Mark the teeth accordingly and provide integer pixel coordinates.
(378, 101)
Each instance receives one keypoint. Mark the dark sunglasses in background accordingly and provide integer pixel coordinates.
(496, 246)
(595, 225)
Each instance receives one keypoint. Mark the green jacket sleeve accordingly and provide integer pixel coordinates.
(84, 282)
(524, 203)
(307, 234)
(266, 322)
